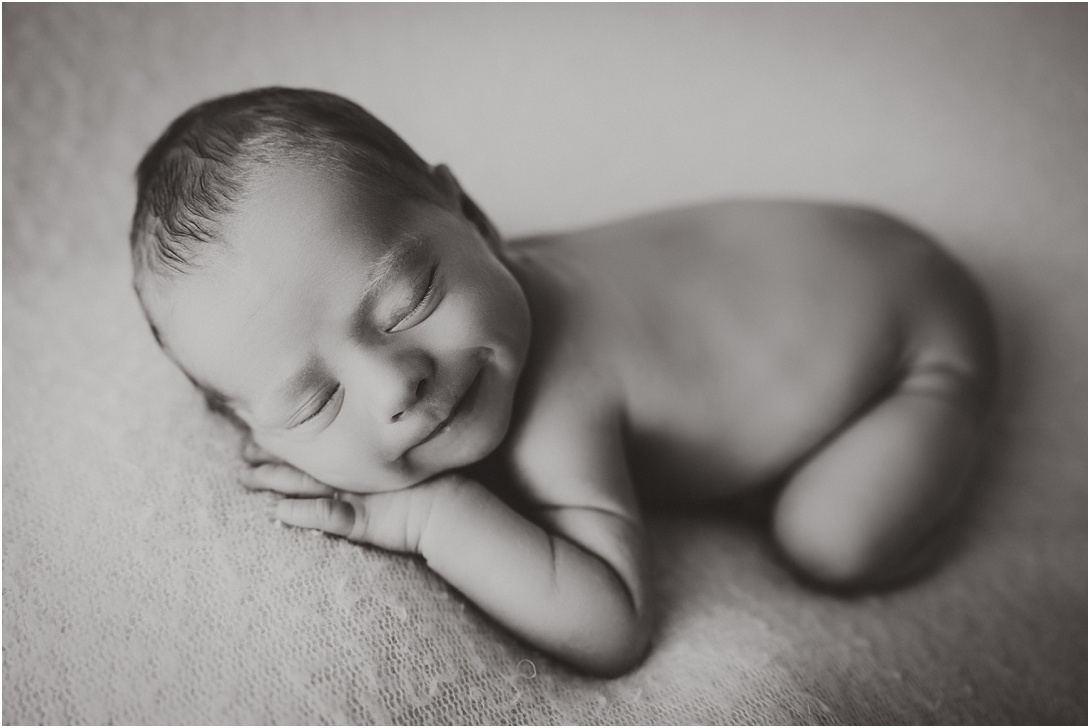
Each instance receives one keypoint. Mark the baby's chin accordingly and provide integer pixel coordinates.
(416, 471)
(414, 468)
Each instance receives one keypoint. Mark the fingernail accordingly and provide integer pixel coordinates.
(271, 511)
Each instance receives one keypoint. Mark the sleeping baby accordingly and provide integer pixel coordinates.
(408, 379)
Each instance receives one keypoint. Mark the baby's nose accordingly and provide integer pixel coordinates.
(392, 384)
(412, 394)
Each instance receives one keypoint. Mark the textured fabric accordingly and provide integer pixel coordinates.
(142, 584)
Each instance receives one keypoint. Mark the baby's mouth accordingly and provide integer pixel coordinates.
(444, 426)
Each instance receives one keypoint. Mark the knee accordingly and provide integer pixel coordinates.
(828, 549)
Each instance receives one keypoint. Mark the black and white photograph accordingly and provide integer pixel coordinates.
(545, 364)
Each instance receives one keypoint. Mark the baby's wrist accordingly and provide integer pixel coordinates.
(448, 512)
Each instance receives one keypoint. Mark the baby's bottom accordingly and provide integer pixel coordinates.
(864, 509)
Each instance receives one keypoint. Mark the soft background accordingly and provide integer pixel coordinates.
(142, 584)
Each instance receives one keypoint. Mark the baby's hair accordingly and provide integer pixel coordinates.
(198, 170)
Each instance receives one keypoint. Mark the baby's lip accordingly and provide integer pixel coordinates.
(452, 413)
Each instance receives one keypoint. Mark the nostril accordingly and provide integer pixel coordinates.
(421, 387)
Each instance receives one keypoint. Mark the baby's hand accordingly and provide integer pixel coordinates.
(395, 520)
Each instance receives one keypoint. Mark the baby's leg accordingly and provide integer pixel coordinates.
(863, 509)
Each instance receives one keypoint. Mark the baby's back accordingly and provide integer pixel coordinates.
(743, 335)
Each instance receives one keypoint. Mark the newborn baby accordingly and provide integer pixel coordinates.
(412, 381)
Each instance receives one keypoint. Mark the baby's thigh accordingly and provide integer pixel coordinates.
(862, 508)
(865, 505)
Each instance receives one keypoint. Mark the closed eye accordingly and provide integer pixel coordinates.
(409, 319)
(318, 410)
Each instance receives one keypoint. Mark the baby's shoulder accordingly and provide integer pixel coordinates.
(564, 446)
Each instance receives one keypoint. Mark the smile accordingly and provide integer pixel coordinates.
(465, 402)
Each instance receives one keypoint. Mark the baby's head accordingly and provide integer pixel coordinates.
(342, 300)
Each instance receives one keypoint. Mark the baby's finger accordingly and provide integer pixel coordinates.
(331, 515)
(282, 479)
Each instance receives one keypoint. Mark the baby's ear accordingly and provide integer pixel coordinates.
(449, 185)
(476, 216)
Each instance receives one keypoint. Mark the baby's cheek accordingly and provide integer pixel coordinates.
(455, 323)
(352, 469)
(328, 466)
(312, 461)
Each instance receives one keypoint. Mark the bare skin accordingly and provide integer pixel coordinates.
(688, 356)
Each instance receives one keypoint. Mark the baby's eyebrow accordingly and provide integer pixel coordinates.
(292, 388)
(398, 253)
(401, 252)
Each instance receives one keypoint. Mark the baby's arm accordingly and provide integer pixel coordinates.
(576, 589)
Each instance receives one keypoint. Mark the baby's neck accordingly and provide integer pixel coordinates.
(494, 472)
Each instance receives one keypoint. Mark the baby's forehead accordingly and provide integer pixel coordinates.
(282, 193)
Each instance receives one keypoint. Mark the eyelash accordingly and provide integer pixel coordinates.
(319, 410)
(424, 299)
